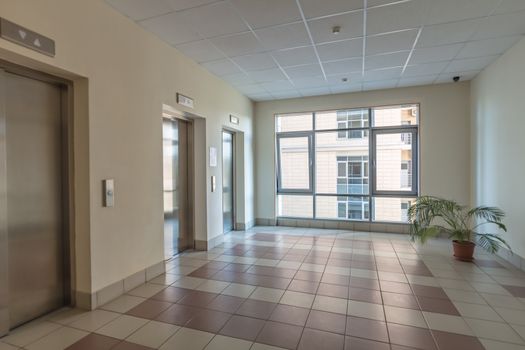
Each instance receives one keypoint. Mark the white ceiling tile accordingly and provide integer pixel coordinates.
(260, 97)
(448, 33)
(435, 54)
(341, 89)
(488, 47)
(286, 94)
(310, 82)
(221, 67)
(377, 85)
(386, 60)
(397, 16)
(238, 79)
(179, 5)
(352, 78)
(200, 51)
(277, 85)
(351, 27)
(285, 36)
(268, 12)
(501, 25)
(373, 3)
(343, 66)
(255, 62)
(425, 69)
(317, 8)
(309, 70)
(465, 75)
(443, 11)
(238, 44)
(390, 42)
(414, 81)
(383, 74)
(469, 64)
(141, 9)
(252, 89)
(266, 75)
(315, 91)
(294, 57)
(340, 50)
(215, 19)
(508, 6)
(173, 28)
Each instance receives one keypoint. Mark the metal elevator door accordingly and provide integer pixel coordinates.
(32, 247)
(227, 181)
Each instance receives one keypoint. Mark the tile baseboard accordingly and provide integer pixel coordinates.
(512, 258)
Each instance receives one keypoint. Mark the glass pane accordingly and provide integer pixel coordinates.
(343, 119)
(295, 163)
(342, 208)
(295, 206)
(395, 116)
(392, 209)
(294, 122)
(341, 164)
(394, 162)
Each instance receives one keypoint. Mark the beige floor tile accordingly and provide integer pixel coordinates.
(422, 280)
(289, 264)
(181, 270)
(226, 258)
(30, 332)
(266, 262)
(455, 284)
(220, 342)
(482, 312)
(363, 273)
(122, 327)
(94, 320)
(520, 330)
(187, 339)
(297, 299)
(330, 304)
(165, 279)
(515, 317)
(494, 330)
(66, 315)
(447, 323)
(239, 290)
(153, 334)
(366, 310)
(189, 282)
(5, 346)
(392, 276)
(267, 294)
(404, 316)
(244, 260)
(58, 339)
(505, 301)
(491, 288)
(336, 270)
(259, 346)
(123, 304)
(497, 345)
(146, 290)
(312, 267)
(212, 286)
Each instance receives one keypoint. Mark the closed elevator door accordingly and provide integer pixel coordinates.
(31, 149)
(176, 207)
(227, 181)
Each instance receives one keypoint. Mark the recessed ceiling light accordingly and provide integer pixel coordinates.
(336, 30)
(344, 80)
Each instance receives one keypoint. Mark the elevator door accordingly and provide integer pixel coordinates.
(227, 181)
(31, 131)
(176, 208)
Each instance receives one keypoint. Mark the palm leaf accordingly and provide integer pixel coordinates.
(491, 242)
(491, 215)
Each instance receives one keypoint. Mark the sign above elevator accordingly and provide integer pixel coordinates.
(184, 100)
(22, 36)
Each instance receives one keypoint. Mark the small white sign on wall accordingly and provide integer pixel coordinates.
(213, 157)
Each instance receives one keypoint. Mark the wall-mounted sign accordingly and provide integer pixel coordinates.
(25, 37)
(184, 100)
(234, 119)
(213, 157)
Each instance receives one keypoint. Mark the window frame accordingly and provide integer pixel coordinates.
(290, 135)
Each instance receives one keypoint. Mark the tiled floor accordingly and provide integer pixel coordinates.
(272, 288)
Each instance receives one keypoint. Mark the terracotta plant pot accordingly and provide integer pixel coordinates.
(464, 251)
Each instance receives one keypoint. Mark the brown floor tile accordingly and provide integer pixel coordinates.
(129, 346)
(367, 283)
(178, 314)
(366, 328)
(447, 341)
(338, 262)
(272, 282)
(326, 321)
(256, 308)
(313, 339)
(209, 321)
(417, 270)
(225, 303)
(335, 279)
(367, 265)
(197, 298)
(290, 314)
(218, 265)
(271, 271)
(333, 290)
(441, 306)
(406, 301)
(236, 267)
(149, 309)
(280, 334)
(294, 257)
(411, 336)
(303, 286)
(390, 268)
(308, 276)
(242, 327)
(430, 292)
(367, 295)
(518, 292)
(341, 255)
(352, 343)
(226, 276)
(171, 294)
(94, 342)
(395, 287)
(315, 260)
(203, 272)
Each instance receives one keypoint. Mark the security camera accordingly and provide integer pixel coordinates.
(456, 78)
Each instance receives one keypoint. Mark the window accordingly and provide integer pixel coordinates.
(355, 164)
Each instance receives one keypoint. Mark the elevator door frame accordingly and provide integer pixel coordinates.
(66, 97)
(234, 184)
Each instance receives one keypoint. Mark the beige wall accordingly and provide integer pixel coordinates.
(444, 136)
(498, 142)
(127, 75)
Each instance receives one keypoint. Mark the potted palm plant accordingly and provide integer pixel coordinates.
(430, 216)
